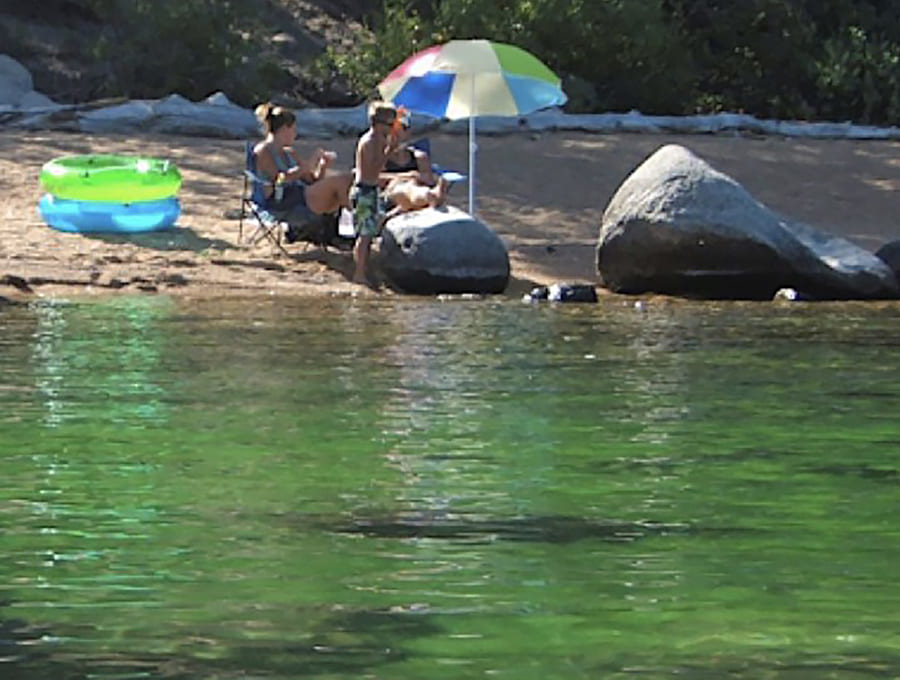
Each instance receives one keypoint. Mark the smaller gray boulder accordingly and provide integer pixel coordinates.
(443, 250)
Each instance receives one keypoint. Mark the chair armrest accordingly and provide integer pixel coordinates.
(450, 175)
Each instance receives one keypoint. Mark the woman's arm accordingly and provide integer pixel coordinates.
(316, 166)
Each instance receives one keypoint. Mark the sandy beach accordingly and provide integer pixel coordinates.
(544, 194)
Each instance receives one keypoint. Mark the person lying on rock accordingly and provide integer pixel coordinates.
(404, 194)
(298, 186)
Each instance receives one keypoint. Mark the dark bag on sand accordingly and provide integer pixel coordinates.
(563, 292)
(303, 223)
(322, 230)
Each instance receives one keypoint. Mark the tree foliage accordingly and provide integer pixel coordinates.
(806, 59)
(396, 33)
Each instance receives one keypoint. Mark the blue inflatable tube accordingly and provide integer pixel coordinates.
(105, 217)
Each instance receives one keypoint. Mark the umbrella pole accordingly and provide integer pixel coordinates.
(473, 147)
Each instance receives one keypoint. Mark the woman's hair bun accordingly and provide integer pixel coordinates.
(274, 117)
(264, 111)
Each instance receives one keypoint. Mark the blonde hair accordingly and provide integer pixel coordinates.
(273, 117)
(382, 112)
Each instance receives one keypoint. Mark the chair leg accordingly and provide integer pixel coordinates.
(243, 212)
(275, 238)
(264, 229)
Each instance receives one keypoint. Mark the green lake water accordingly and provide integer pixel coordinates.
(416, 489)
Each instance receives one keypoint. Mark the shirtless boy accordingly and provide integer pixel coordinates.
(371, 154)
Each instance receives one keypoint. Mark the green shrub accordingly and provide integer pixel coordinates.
(859, 78)
(753, 56)
(621, 55)
(398, 33)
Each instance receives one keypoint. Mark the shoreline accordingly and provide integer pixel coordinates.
(543, 193)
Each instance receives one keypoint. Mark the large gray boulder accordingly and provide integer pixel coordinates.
(443, 250)
(680, 227)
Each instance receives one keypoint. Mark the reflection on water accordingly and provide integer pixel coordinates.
(110, 357)
(414, 488)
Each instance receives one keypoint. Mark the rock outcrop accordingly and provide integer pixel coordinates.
(680, 227)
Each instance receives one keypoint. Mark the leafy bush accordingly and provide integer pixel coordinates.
(626, 50)
(752, 56)
(396, 34)
(859, 78)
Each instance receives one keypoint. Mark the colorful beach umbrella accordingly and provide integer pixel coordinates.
(470, 78)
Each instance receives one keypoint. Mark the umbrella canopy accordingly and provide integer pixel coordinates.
(471, 78)
(465, 78)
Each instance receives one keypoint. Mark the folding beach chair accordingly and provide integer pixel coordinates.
(253, 203)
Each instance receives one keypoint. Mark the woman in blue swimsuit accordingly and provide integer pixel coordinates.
(302, 186)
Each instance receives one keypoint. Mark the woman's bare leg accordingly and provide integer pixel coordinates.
(329, 194)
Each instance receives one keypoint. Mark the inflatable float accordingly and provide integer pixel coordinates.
(108, 216)
(109, 193)
(101, 177)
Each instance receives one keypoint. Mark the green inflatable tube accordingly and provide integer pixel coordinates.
(104, 177)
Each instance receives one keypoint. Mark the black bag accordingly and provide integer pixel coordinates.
(321, 230)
